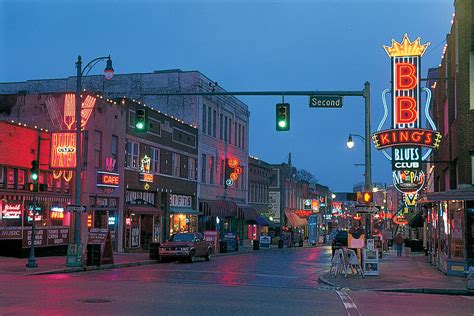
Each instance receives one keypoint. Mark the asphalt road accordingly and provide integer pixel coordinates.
(275, 282)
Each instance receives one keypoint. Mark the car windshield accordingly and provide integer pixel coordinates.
(182, 237)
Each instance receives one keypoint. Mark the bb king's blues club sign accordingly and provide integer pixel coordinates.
(413, 134)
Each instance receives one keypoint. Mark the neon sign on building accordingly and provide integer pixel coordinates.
(409, 139)
(63, 150)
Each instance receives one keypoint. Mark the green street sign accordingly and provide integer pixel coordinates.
(325, 101)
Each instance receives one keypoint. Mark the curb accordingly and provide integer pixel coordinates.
(92, 268)
(463, 292)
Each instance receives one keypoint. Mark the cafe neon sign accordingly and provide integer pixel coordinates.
(410, 141)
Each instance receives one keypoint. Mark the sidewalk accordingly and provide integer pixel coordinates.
(406, 274)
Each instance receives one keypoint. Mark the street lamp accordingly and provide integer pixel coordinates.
(368, 165)
(333, 196)
(74, 257)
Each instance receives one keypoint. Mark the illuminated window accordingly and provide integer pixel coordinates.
(155, 160)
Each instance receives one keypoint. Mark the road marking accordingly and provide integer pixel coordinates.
(349, 304)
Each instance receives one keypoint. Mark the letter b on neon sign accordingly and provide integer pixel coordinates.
(406, 111)
(405, 78)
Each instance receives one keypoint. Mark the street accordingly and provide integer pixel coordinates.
(267, 282)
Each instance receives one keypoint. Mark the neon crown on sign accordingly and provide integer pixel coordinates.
(406, 48)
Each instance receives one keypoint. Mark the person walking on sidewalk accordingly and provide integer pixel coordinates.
(399, 241)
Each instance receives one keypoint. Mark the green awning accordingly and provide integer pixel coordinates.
(183, 210)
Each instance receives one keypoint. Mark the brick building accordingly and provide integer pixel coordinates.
(448, 209)
(222, 121)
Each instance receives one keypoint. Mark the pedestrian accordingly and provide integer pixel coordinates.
(399, 241)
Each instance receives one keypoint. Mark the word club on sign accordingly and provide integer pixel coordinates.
(63, 150)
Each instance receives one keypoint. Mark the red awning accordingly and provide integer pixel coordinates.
(219, 208)
(294, 220)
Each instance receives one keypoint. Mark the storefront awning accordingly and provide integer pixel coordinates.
(247, 213)
(294, 220)
(458, 194)
(144, 210)
(219, 208)
(261, 221)
(183, 210)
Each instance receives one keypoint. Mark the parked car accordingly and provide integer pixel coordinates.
(339, 241)
(297, 239)
(186, 246)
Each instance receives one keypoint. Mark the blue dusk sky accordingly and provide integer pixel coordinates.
(243, 45)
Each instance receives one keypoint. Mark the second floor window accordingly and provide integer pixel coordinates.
(176, 164)
(132, 154)
(155, 160)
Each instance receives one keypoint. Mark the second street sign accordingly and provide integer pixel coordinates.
(325, 101)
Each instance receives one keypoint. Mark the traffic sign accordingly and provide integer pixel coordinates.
(325, 101)
(76, 208)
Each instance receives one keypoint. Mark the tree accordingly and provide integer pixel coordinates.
(305, 175)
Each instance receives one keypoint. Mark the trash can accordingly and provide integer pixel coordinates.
(280, 243)
(256, 245)
(223, 247)
(154, 251)
(93, 255)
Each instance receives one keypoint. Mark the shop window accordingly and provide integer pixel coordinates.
(175, 164)
(155, 160)
(456, 210)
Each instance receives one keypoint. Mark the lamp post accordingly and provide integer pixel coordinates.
(74, 258)
(368, 164)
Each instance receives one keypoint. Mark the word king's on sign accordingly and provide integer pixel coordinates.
(63, 150)
(411, 136)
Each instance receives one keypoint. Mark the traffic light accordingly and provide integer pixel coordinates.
(141, 121)
(283, 117)
(34, 176)
(365, 197)
(37, 187)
